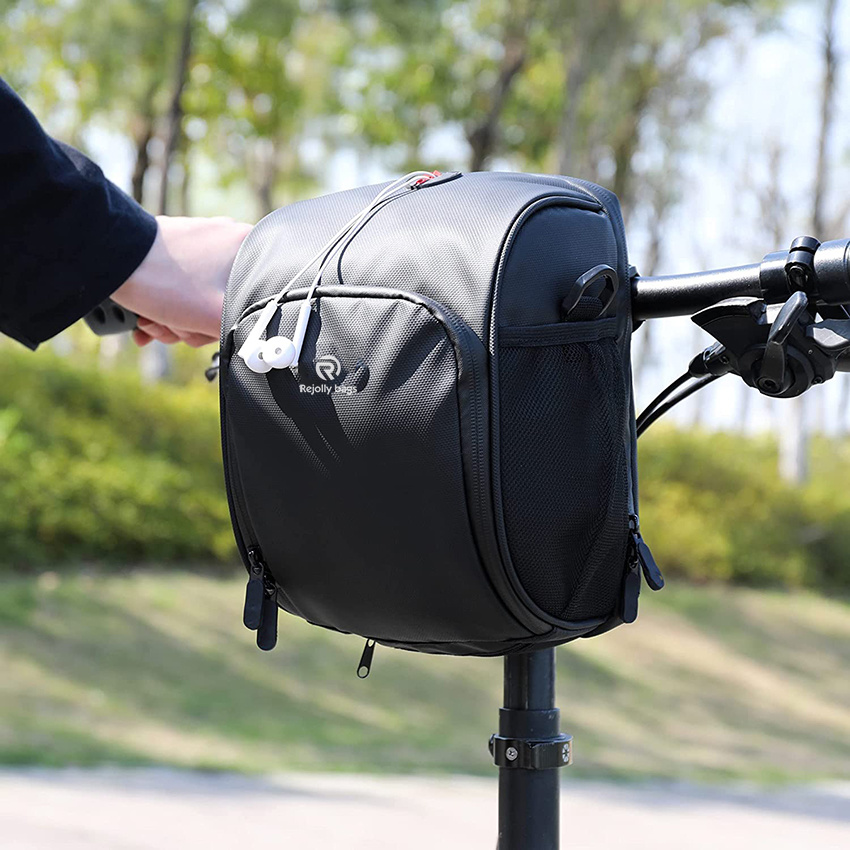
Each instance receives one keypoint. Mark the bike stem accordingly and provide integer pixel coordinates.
(529, 751)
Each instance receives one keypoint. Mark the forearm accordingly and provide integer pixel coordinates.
(68, 237)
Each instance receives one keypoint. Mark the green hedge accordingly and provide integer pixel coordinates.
(95, 466)
(713, 507)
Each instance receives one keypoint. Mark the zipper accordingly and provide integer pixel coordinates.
(267, 633)
(261, 609)
(255, 591)
(640, 560)
(364, 666)
(260, 613)
(643, 556)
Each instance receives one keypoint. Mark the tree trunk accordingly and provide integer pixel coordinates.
(186, 183)
(143, 161)
(264, 166)
(624, 146)
(155, 362)
(843, 403)
(174, 119)
(575, 73)
(794, 440)
(142, 138)
(155, 359)
(661, 203)
(265, 202)
(827, 115)
(484, 136)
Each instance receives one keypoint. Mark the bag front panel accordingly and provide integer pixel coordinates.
(351, 474)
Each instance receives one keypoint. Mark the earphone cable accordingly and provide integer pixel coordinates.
(326, 252)
(328, 249)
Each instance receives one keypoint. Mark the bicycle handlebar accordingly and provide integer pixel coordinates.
(774, 279)
(821, 270)
(684, 294)
(780, 352)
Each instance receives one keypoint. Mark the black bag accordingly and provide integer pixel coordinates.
(451, 466)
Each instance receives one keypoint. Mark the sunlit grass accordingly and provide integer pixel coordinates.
(155, 667)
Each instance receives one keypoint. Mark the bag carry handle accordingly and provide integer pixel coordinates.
(580, 287)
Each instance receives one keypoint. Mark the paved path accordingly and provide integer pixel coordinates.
(170, 810)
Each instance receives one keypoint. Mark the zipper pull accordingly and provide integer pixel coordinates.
(631, 592)
(267, 633)
(254, 591)
(651, 572)
(365, 665)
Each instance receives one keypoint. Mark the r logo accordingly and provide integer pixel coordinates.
(328, 367)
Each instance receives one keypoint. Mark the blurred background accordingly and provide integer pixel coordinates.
(723, 127)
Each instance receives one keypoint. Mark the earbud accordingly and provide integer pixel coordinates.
(251, 350)
(255, 360)
(278, 353)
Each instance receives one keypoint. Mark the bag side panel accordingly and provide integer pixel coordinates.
(574, 400)
(552, 249)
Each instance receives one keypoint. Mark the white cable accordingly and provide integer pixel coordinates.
(364, 213)
(331, 243)
(328, 250)
(336, 251)
(347, 239)
(268, 311)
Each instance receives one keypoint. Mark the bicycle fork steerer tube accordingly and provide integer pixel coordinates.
(529, 750)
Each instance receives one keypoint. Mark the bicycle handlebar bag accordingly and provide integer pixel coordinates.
(450, 467)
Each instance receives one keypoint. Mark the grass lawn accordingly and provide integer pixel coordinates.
(148, 667)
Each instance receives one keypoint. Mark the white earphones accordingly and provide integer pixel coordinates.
(280, 352)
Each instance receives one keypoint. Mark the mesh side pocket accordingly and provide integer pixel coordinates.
(564, 483)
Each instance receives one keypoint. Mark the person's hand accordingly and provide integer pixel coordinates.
(178, 290)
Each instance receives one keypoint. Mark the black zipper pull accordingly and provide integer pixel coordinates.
(650, 569)
(254, 592)
(267, 633)
(631, 591)
(365, 664)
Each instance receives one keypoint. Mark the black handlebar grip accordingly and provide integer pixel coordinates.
(108, 318)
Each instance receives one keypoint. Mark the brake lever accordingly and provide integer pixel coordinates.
(772, 378)
(770, 348)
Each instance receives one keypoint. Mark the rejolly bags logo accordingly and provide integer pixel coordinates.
(334, 378)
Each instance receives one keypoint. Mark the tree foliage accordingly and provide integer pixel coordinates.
(570, 86)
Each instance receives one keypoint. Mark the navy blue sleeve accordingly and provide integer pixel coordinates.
(68, 237)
